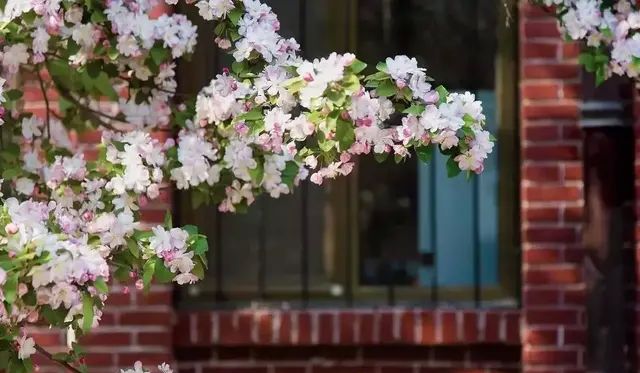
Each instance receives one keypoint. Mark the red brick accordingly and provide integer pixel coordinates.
(571, 90)
(542, 133)
(556, 111)
(286, 328)
(551, 316)
(147, 358)
(574, 297)
(154, 298)
(571, 50)
(264, 325)
(99, 338)
(551, 357)
(541, 337)
(537, 297)
(470, 327)
(575, 336)
(203, 328)
(234, 328)
(540, 50)
(386, 327)
(492, 327)
(552, 193)
(94, 359)
(428, 327)
(325, 327)
(541, 256)
(304, 327)
(530, 10)
(551, 152)
(552, 276)
(541, 173)
(541, 29)
(236, 369)
(550, 234)
(551, 71)
(571, 132)
(47, 339)
(145, 318)
(573, 214)
(449, 327)
(397, 369)
(541, 214)
(408, 327)
(155, 339)
(573, 171)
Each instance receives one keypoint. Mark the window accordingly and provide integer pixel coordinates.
(388, 233)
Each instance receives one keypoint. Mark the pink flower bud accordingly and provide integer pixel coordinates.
(133, 275)
(139, 285)
(33, 317)
(125, 290)
(11, 229)
(87, 216)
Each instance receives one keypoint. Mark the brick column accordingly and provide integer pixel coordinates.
(552, 197)
(134, 326)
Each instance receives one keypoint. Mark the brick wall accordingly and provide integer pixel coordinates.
(552, 198)
(363, 341)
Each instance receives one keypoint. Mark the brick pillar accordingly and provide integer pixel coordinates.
(134, 326)
(552, 197)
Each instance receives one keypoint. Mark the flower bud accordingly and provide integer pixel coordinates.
(11, 229)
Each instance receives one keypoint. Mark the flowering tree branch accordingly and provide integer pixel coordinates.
(607, 30)
(68, 226)
(62, 363)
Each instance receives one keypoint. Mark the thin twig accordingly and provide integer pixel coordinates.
(46, 102)
(50, 357)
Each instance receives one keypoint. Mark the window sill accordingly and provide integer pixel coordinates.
(347, 327)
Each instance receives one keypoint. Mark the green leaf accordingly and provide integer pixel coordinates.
(162, 274)
(289, 173)
(159, 54)
(414, 109)
(601, 74)
(587, 60)
(424, 153)
(357, 66)
(255, 114)
(147, 272)
(11, 288)
(98, 17)
(238, 67)
(11, 173)
(103, 84)
(381, 157)
(191, 229)
(387, 89)
(345, 134)
(234, 16)
(381, 66)
(134, 248)
(101, 285)
(257, 173)
(87, 312)
(452, 167)
(201, 245)
(168, 221)
(442, 93)
(14, 94)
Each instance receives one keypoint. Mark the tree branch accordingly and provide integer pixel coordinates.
(49, 356)
(46, 102)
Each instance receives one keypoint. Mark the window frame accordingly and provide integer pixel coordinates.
(342, 208)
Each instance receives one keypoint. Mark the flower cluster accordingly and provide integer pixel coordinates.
(609, 31)
(71, 224)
